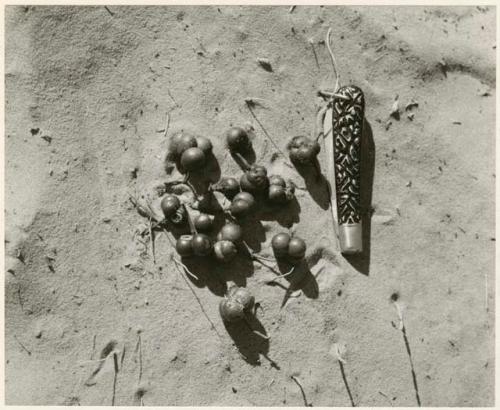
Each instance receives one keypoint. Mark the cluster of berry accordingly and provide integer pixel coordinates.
(190, 154)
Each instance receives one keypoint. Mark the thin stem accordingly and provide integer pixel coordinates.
(311, 42)
(344, 378)
(386, 396)
(284, 275)
(227, 215)
(179, 263)
(334, 62)
(92, 361)
(115, 361)
(152, 237)
(265, 132)
(273, 269)
(318, 125)
(242, 159)
(167, 124)
(188, 183)
(192, 228)
(256, 331)
(20, 344)
(332, 95)
(255, 100)
(139, 341)
(296, 380)
(257, 256)
(254, 254)
(261, 334)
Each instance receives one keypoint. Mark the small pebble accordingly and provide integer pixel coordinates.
(265, 64)
(411, 104)
(395, 109)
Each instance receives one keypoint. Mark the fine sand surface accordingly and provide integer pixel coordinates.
(87, 92)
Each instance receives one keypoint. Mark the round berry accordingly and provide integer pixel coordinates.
(204, 144)
(193, 159)
(179, 216)
(246, 196)
(257, 175)
(183, 142)
(229, 187)
(183, 246)
(202, 245)
(302, 155)
(225, 250)
(203, 222)
(170, 204)
(230, 232)
(237, 139)
(296, 248)
(280, 244)
(243, 296)
(231, 310)
(277, 180)
(303, 150)
(277, 194)
(240, 207)
(246, 185)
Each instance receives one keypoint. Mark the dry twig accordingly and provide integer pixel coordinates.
(296, 380)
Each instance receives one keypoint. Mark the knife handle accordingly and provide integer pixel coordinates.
(347, 128)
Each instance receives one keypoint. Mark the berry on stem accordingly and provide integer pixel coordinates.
(277, 180)
(302, 150)
(237, 140)
(286, 248)
(246, 196)
(180, 143)
(240, 208)
(297, 248)
(179, 217)
(183, 246)
(277, 194)
(255, 179)
(236, 306)
(230, 232)
(203, 222)
(280, 244)
(169, 205)
(225, 250)
(193, 159)
(242, 296)
(201, 244)
(204, 144)
(231, 310)
(280, 191)
(242, 204)
(229, 187)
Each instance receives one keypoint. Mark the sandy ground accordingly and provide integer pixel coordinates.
(87, 92)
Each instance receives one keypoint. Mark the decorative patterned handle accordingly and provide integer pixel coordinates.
(348, 117)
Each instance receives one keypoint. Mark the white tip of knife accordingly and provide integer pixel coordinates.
(350, 237)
